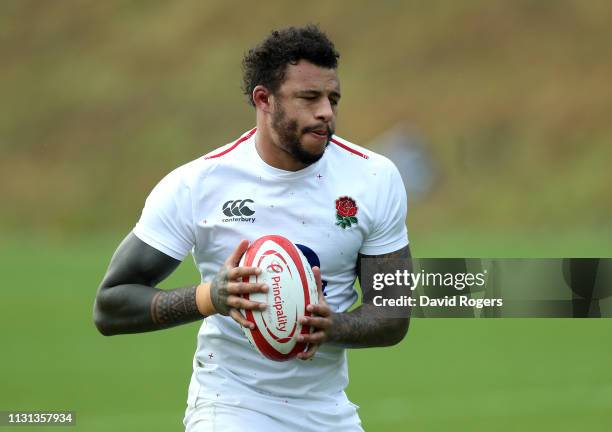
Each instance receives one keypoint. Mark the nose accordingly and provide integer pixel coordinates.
(325, 111)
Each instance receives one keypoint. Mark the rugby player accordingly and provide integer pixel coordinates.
(292, 176)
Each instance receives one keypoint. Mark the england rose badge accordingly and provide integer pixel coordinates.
(346, 212)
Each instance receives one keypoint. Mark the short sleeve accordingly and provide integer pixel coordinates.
(166, 222)
(389, 232)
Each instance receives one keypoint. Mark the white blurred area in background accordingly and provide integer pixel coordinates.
(409, 153)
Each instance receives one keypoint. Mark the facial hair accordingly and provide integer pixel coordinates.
(289, 137)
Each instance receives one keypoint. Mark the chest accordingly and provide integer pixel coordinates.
(305, 211)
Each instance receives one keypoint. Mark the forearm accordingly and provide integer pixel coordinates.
(369, 325)
(134, 308)
(366, 327)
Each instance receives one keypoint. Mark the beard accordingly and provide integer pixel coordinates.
(289, 137)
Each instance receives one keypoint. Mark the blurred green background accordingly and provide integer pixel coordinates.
(99, 100)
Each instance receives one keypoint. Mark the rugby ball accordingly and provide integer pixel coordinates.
(291, 287)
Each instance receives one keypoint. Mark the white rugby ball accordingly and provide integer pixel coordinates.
(291, 287)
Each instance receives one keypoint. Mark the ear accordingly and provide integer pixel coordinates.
(262, 98)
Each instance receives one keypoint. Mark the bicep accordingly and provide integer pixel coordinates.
(135, 262)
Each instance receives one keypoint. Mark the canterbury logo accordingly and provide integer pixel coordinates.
(238, 208)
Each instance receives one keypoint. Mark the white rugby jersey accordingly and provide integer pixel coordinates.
(208, 205)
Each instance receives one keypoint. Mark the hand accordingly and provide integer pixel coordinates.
(227, 287)
(321, 321)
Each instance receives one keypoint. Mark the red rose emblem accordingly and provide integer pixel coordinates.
(346, 209)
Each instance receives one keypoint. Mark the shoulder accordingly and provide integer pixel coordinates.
(234, 146)
(193, 172)
(355, 157)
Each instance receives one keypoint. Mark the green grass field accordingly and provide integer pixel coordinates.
(448, 374)
(510, 99)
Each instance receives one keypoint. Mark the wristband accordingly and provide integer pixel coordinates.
(203, 300)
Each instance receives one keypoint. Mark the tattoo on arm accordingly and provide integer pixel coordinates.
(219, 292)
(368, 326)
(174, 307)
(127, 300)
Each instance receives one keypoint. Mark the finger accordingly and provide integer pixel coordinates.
(317, 274)
(319, 309)
(246, 288)
(313, 338)
(308, 354)
(234, 258)
(242, 272)
(242, 303)
(240, 319)
(316, 322)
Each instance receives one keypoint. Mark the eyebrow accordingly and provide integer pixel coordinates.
(317, 92)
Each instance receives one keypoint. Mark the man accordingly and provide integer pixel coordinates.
(289, 176)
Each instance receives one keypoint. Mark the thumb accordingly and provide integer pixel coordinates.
(317, 274)
(234, 258)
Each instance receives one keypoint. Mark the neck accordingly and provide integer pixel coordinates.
(273, 154)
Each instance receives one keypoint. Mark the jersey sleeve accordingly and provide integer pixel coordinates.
(389, 231)
(166, 222)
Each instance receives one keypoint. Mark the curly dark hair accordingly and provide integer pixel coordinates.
(266, 64)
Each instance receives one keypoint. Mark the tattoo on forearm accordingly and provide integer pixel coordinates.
(368, 325)
(178, 306)
(219, 292)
